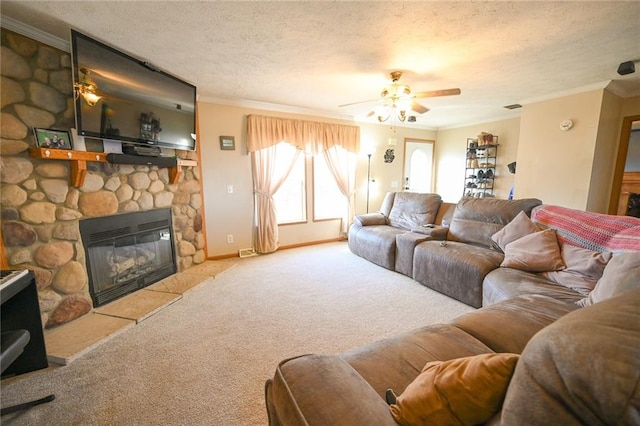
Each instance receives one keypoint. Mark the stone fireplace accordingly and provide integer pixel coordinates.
(127, 252)
(42, 211)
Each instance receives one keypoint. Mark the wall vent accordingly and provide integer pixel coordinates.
(247, 252)
(513, 106)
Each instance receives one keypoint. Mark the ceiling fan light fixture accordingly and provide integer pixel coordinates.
(396, 91)
(87, 89)
(404, 104)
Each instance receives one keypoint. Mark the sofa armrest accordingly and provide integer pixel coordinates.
(370, 219)
(323, 390)
(436, 232)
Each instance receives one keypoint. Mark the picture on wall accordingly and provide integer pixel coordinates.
(227, 143)
(52, 138)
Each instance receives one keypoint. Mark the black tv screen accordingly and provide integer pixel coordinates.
(139, 103)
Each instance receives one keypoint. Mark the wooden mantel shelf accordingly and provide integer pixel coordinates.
(78, 161)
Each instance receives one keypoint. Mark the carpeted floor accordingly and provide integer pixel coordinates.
(204, 359)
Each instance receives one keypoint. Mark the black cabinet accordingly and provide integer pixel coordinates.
(20, 310)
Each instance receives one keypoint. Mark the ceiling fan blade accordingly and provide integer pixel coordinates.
(418, 108)
(434, 93)
(359, 102)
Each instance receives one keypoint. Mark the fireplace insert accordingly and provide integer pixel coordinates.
(127, 252)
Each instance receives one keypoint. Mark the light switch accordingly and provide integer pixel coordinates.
(394, 183)
(229, 189)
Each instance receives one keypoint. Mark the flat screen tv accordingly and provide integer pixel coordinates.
(139, 104)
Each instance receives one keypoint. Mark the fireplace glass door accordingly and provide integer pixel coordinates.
(127, 257)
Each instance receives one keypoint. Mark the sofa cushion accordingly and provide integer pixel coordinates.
(584, 268)
(376, 243)
(466, 390)
(520, 226)
(582, 369)
(455, 269)
(412, 210)
(475, 220)
(509, 325)
(621, 274)
(505, 283)
(395, 362)
(537, 252)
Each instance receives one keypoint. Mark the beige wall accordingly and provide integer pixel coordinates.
(630, 106)
(387, 176)
(605, 154)
(554, 165)
(232, 214)
(572, 168)
(451, 157)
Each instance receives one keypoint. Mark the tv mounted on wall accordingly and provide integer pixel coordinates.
(139, 103)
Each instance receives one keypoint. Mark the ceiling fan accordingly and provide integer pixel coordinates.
(398, 97)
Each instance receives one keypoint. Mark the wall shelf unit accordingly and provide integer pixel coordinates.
(78, 162)
(480, 170)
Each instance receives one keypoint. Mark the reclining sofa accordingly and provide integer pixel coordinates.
(453, 256)
(574, 329)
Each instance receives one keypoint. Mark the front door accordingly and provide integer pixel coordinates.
(418, 166)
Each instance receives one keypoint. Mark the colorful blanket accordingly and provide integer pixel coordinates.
(594, 231)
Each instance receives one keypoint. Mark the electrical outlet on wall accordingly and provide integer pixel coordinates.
(230, 238)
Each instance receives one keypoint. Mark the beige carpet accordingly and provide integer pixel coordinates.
(204, 359)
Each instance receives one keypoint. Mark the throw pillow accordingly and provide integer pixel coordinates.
(584, 268)
(459, 391)
(537, 252)
(621, 274)
(520, 226)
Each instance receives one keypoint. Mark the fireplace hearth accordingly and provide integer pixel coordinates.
(127, 252)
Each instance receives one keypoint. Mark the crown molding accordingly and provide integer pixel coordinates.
(35, 33)
(267, 106)
(582, 89)
(509, 116)
(302, 111)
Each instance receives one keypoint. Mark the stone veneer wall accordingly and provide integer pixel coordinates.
(41, 212)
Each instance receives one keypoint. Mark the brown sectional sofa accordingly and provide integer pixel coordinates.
(577, 365)
(458, 268)
(399, 225)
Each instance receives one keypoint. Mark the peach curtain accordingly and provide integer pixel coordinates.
(311, 137)
(342, 165)
(266, 181)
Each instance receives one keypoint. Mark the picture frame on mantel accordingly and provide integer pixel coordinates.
(52, 138)
(227, 143)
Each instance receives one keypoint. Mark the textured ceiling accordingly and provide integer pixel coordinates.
(310, 57)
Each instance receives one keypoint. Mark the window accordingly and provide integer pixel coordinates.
(328, 201)
(290, 199)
